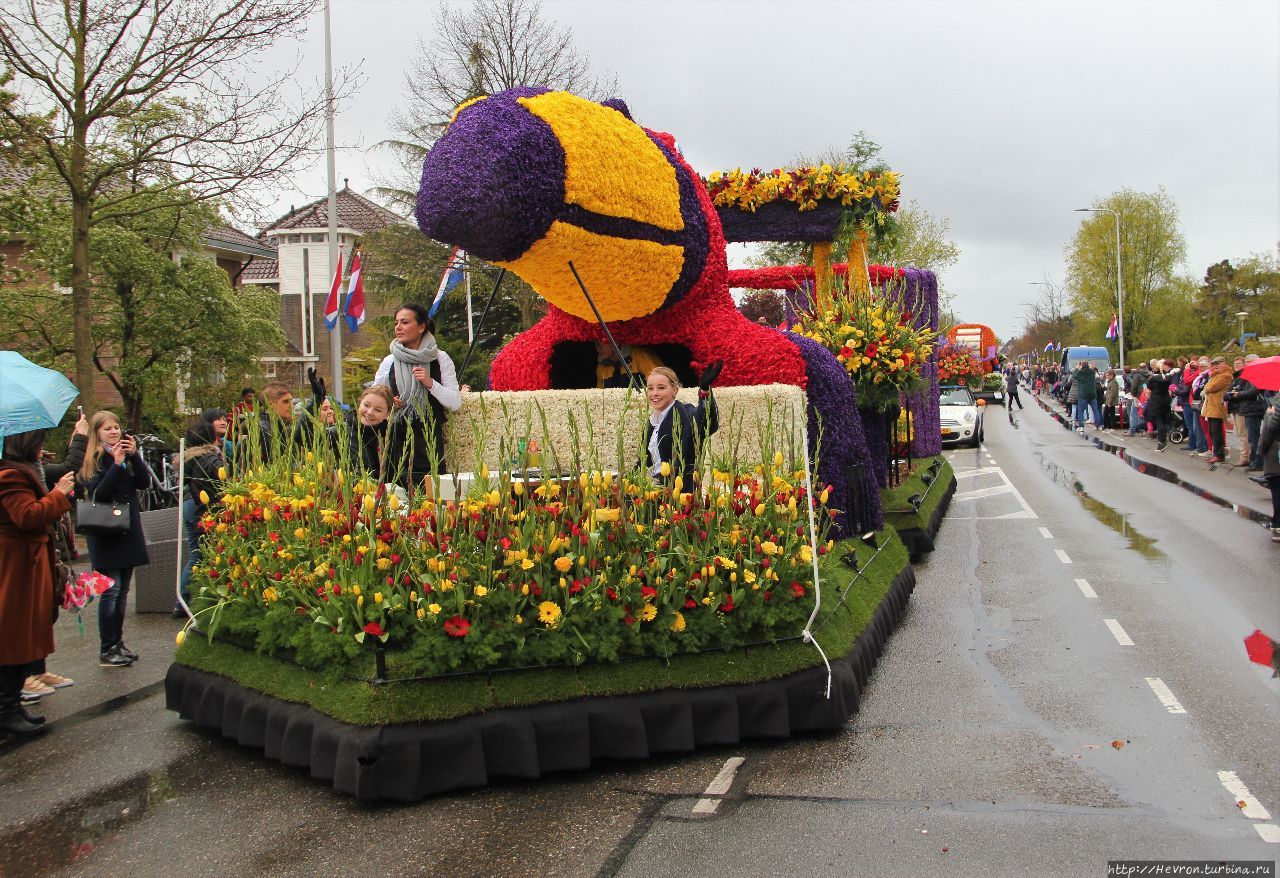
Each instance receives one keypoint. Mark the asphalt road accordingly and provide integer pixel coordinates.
(1014, 726)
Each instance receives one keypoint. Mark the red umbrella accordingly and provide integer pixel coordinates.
(1262, 649)
(1264, 373)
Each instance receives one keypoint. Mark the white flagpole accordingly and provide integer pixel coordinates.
(335, 337)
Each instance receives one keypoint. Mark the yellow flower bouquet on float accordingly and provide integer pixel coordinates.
(875, 338)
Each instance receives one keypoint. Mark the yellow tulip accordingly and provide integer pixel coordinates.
(368, 503)
(484, 471)
(204, 497)
(182, 635)
(377, 597)
(480, 591)
(222, 473)
(517, 488)
(676, 484)
(777, 458)
(434, 609)
(665, 469)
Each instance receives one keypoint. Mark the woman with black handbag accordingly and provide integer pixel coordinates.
(113, 473)
(26, 571)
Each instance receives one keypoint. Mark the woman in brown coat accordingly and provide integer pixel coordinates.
(1214, 409)
(26, 571)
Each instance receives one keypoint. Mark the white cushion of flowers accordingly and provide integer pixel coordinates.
(754, 421)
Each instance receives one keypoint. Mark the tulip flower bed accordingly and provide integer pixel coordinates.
(313, 564)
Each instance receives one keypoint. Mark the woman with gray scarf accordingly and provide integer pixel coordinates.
(423, 384)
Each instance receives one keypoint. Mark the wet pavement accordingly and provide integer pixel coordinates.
(1006, 731)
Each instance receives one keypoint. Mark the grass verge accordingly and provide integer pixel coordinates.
(843, 618)
(894, 500)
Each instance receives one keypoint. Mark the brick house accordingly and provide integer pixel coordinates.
(301, 274)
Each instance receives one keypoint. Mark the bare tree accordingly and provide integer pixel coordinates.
(151, 96)
(488, 47)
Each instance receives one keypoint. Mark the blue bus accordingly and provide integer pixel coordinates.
(1099, 357)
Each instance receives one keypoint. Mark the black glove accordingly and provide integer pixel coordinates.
(710, 374)
(317, 385)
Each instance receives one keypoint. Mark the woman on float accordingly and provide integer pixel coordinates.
(676, 429)
(366, 433)
(424, 386)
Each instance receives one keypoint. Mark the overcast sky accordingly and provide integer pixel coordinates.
(1000, 116)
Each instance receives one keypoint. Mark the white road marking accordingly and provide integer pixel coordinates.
(1086, 589)
(979, 493)
(1165, 695)
(1269, 831)
(719, 785)
(1117, 632)
(1062, 556)
(981, 471)
(1044, 532)
(1240, 793)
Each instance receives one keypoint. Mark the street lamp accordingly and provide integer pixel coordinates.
(1119, 284)
(1241, 315)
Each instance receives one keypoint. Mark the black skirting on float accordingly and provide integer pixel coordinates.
(919, 541)
(408, 761)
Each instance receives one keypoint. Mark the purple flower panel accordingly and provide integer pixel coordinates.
(494, 182)
(832, 398)
(780, 221)
(918, 289)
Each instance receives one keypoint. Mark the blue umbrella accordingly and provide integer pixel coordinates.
(31, 397)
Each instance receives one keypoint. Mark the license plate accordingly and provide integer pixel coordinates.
(947, 434)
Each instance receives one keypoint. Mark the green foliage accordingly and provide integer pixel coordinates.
(1151, 249)
(163, 311)
(849, 602)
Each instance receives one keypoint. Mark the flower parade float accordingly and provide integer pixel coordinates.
(556, 605)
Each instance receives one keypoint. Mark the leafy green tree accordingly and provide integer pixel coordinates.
(164, 312)
(1251, 286)
(1151, 249)
(124, 97)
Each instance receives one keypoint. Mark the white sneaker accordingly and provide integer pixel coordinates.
(1206, 454)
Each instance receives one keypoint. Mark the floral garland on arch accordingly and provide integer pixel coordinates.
(877, 341)
(806, 187)
(957, 364)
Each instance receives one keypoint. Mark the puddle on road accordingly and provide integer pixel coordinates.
(1112, 518)
(70, 833)
(1163, 473)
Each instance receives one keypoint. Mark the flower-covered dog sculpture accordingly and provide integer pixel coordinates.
(531, 180)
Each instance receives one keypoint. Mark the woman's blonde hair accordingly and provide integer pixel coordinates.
(666, 373)
(93, 450)
(383, 393)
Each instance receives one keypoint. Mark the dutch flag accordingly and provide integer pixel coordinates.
(454, 271)
(331, 309)
(355, 296)
(1113, 331)
(1048, 347)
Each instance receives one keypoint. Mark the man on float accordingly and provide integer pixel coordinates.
(612, 373)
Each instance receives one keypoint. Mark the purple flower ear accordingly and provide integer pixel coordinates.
(617, 104)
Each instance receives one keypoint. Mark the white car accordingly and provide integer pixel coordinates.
(960, 416)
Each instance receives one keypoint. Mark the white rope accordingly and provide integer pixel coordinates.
(182, 525)
(813, 547)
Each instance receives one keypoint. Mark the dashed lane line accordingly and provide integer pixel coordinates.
(1086, 589)
(1245, 800)
(1062, 556)
(1165, 694)
(1118, 633)
(720, 784)
(979, 493)
(1044, 532)
(1269, 831)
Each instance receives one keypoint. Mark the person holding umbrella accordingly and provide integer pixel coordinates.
(32, 400)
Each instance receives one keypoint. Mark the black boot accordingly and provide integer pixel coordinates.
(12, 719)
(33, 718)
